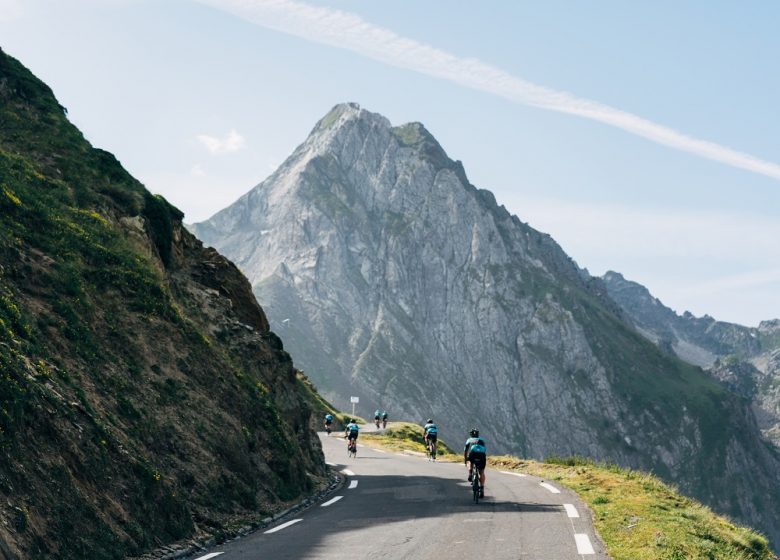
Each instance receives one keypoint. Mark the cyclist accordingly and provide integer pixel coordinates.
(377, 415)
(384, 419)
(328, 422)
(430, 435)
(351, 433)
(475, 453)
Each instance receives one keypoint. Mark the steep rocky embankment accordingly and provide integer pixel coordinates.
(143, 397)
(393, 278)
(745, 359)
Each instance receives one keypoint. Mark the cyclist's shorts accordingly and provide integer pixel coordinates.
(352, 435)
(328, 422)
(432, 437)
(479, 459)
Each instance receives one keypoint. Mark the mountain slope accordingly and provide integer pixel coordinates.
(393, 278)
(746, 359)
(143, 398)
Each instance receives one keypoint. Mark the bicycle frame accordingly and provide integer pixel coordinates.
(475, 487)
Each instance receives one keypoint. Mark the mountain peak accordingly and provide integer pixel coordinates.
(612, 275)
(347, 126)
(345, 113)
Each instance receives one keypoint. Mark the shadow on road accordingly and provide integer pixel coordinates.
(389, 502)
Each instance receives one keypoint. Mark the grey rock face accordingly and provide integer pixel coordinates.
(745, 359)
(391, 277)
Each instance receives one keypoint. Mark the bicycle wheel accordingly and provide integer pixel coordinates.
(475, 484)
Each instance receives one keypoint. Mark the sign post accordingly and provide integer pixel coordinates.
(354, 401)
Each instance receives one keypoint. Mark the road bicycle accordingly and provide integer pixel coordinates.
(352, 448)
(475, 487)
(431, 450)
(327, 429)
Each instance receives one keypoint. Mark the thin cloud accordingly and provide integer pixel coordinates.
(737, 282)
(232, 142)
(613, 232)
(349, 31)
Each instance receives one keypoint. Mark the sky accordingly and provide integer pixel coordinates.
(642, 136)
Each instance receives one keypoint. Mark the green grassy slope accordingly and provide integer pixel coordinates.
(639, 517)
(142, 397)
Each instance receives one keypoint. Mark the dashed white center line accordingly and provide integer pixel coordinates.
(348, 472)
(583, 544)
(331, 501)
(353, 484)
(512, 473)
(207, 556)
(571, 511)
(550, 487)
(283, 526)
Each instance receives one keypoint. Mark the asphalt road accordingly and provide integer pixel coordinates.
(395, 506)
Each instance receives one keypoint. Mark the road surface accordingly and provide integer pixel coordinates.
(395, 506)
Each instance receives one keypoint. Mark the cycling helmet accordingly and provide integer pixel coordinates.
(474, 432)
(430, 421)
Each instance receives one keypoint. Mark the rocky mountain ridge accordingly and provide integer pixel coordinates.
(745, 359)
(392, 277)
(143, 397)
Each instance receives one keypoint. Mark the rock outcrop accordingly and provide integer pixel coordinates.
(143, 397)
(392, 278)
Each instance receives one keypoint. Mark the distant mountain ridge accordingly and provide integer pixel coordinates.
(746, 359)
(698, 340)
(391, 277)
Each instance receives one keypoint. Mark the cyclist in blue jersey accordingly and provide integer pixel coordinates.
(384, 419)
(430, 435)
(431, 432)
(328, 422)
(476, 452)
(377, 416)
(351, 432)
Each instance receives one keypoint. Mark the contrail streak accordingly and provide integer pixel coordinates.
(349, 31)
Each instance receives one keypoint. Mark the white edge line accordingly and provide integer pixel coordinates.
(331, 501)
(380, 450)
(571, 511)
(512, 473)
(348, 472)
(550, 487)
(583, 544)
(329, 464)
(207, 556)
(353, 484)
(283, 526)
